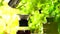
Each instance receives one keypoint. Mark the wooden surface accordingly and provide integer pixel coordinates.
(51, 28)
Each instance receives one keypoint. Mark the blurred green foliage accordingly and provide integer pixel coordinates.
(50, 8)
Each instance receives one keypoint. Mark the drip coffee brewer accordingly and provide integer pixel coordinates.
(23, 25)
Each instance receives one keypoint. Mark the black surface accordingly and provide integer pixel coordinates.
(23, 22)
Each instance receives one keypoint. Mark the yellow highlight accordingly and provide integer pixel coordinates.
(9, 22)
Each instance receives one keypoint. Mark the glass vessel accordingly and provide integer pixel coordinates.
(23, 25)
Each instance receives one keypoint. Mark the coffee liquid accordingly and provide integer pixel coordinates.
(23, 32)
